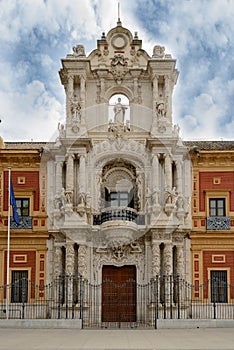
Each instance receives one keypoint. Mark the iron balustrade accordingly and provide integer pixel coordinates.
(25, 222)
(118, 214)
(218, 223)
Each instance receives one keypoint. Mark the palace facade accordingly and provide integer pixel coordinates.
(118, 200)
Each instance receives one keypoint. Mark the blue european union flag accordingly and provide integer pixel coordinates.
(13, 203)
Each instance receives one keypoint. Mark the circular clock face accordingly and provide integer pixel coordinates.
(119, 41)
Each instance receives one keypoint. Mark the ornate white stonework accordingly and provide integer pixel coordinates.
(118, 176)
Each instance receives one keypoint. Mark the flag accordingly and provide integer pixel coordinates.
(13, 204)
(1, 222)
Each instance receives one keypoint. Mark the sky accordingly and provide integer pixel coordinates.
(35, 35)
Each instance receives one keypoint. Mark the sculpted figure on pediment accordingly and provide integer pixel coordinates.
(159, 51)
(78, 50)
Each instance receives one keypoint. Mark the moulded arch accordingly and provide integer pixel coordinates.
(105, 158)
(115, 90)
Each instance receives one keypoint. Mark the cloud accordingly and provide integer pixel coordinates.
(30, 114)
(35, 35)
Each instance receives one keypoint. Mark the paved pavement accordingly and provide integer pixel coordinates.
(162, 339)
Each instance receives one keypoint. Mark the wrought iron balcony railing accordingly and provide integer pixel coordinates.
(118, 214)
(218, 223)
(25, 223)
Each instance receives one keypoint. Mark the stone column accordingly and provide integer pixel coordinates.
(70, 92)
(135, 84)
(82, 260)
(180, 261)
(70, 173)
(168, 172)
(82, 88)
(57, 261)
(58, 176)
(155, 91)
(50, 259)
(102, 87)
(70, 258)
(168, 269)
(168, 264)
(155, 259)
(82, 174)
(179, 177)
(82, 98)
(168, 96)
(155, 172)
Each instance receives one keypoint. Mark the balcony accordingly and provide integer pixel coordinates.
(113, 214)
(218, 223)
(25, 223)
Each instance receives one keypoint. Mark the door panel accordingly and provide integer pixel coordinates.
(119, 294)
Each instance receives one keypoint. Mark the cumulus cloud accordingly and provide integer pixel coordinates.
(34, 35)
(30, 114)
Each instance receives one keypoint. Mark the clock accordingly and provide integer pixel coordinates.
(119, 41)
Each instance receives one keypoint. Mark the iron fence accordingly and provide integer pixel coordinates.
(126, 305)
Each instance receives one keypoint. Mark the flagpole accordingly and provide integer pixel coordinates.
(8, 243)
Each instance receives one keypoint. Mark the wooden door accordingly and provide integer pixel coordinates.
(119, 294)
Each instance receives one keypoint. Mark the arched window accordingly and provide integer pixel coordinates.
(119, 111)
(119, 185)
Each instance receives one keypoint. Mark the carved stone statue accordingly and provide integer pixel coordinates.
(78, 50)
(75, 110)
(160, 110)
(170, 195)
(61, 129)
(119, 112)
(158, 51)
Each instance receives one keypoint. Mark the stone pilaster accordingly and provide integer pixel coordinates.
(168, 263)
(155, 259)
(180, 261)
(168, 172)
(82, 175)
(70, 173)
(70, 92)
(179, 176)
(58, 176)
(57, 261)
(69, 258)
(82, 260)
(168, 97)
(155, 92)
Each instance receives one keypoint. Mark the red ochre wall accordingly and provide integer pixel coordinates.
(206, 183)
(30, 263)
(31, 182)
(224, 260)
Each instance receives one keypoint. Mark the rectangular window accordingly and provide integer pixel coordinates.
(218, 282)
(217, 207)
(22, 205)
(119, 199)
(19, 291)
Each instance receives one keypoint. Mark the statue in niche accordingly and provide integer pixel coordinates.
(57, 201)
(78, 50)
(160, 110)
(170, 196)
(68, 195)
(75, 110)
(154, 196)
(119, 112)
